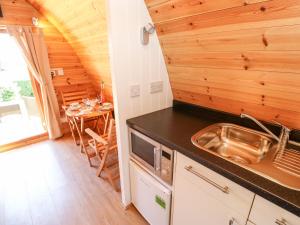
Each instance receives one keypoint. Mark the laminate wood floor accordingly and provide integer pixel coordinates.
(51, 183)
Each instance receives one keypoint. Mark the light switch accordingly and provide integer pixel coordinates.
(156, 86)
(135, 90)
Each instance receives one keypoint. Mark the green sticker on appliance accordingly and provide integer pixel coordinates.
(160, 202)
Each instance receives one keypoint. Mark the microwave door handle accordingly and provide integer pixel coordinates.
(157, 158)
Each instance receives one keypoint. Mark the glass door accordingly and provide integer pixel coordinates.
(19, 111)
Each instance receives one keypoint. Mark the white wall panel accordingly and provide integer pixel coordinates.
(133, 63)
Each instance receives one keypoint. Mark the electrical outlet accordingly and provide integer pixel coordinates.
(57, 72)
(156, 86)
(60, 72)
(135, 90)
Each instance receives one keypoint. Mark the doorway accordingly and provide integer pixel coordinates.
(19, 111)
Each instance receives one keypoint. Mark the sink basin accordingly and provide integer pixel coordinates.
(234, 142)
(252, 150)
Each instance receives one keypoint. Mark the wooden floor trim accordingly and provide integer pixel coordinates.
(24, 142)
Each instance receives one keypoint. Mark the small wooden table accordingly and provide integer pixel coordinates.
(88, 113)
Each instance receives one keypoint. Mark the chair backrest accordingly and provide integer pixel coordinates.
(108, 141)
(68, 97)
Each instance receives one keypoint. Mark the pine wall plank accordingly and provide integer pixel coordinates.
(233, 55)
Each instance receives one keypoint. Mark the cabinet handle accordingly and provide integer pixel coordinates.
(281, 222)
(223, 189)
(157, 158)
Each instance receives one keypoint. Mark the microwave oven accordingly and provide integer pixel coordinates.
(155, 157)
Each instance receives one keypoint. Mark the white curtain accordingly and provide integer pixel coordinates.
(35, 53)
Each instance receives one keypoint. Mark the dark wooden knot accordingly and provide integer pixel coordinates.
(265, 41)
(245, 58)
(263, 8)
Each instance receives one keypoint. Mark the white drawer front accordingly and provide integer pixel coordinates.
(237, 199)
(266, 213)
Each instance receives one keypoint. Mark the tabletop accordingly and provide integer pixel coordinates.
(85, 111)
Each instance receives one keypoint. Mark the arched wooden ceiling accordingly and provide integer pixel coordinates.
(83, 24)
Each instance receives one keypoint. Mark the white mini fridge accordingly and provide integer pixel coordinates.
(149, 196)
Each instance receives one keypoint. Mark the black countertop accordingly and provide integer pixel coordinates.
(174, 127)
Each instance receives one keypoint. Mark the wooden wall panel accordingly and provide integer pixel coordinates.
(235, 56)
(169, 10)
(17, 12)
(271, 10)
(61, 53)
(83, 24)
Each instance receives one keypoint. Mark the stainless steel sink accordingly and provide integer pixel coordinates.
(234, 142)
(250, 149)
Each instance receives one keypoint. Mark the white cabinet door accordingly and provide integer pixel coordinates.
(199, 198)
(266, 213)
(151, 198)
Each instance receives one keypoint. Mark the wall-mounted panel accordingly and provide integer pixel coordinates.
(233, 55)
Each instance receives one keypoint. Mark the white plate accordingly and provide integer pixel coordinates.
(74, 107)
(107, 104)
(86, 110)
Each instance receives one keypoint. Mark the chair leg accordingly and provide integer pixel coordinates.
(82, 145)
(87, 155)
(81, 148)
(99, 170)
(72, 129)
(102, 163)
(74, 136)
(106, 119)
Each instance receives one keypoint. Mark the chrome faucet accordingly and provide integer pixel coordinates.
(282, 140)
